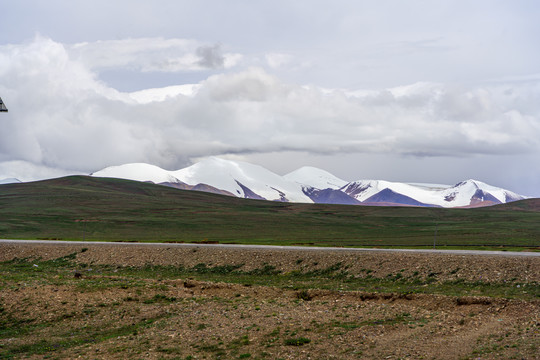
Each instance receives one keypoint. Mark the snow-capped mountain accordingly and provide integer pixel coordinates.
(9, 181)
(137, 172)
(242, 179)
(321, 186)
(466, 193)
(239, 178)
(309, 185)
(315, 178)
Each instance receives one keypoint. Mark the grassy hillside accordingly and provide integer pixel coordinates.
(88, 208)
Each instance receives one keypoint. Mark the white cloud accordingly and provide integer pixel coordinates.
(152, 54)
(28, 171)
(276, 60)
(63, 117)
(161, 94)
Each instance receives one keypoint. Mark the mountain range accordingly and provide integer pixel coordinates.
(309, 185)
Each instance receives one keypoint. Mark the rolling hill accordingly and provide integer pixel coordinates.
(90, 208)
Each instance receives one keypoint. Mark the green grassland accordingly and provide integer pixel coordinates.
(98, 209)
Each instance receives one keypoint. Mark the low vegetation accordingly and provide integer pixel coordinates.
(65, 308)
(83, 208)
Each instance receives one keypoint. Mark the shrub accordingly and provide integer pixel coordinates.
(304, 295)
(297, 341)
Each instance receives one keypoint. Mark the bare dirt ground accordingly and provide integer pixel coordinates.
(192, 319)
(446, 266)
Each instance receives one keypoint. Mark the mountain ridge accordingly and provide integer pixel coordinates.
(310, 185)
(9, 181)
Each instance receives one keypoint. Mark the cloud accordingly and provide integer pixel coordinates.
(29, 171)
(210, 56)
(63, 117)
(152, 55)
(276, 60)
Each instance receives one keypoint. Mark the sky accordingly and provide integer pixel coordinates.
(411, 91)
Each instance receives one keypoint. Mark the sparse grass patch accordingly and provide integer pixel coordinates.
(173, 311)
(237, 343)
(404, 318)
(297, 341)
(160, 298)
(57, 342)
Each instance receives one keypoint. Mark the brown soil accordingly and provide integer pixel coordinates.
(494, 268)
(180, 318)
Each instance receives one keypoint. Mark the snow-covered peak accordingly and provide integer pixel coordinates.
(137, 172)
(316, 178)
(430, 186)
(364, 189)
(240, 178)
(465, 193)
(253, 181)
(9, 181)
(233, 176)
(462, 193)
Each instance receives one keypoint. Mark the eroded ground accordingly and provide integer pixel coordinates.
(120, 302)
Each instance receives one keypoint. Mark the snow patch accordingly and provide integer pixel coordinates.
(137, 172)
(9, 181)
(226, 174)
(316, 178)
